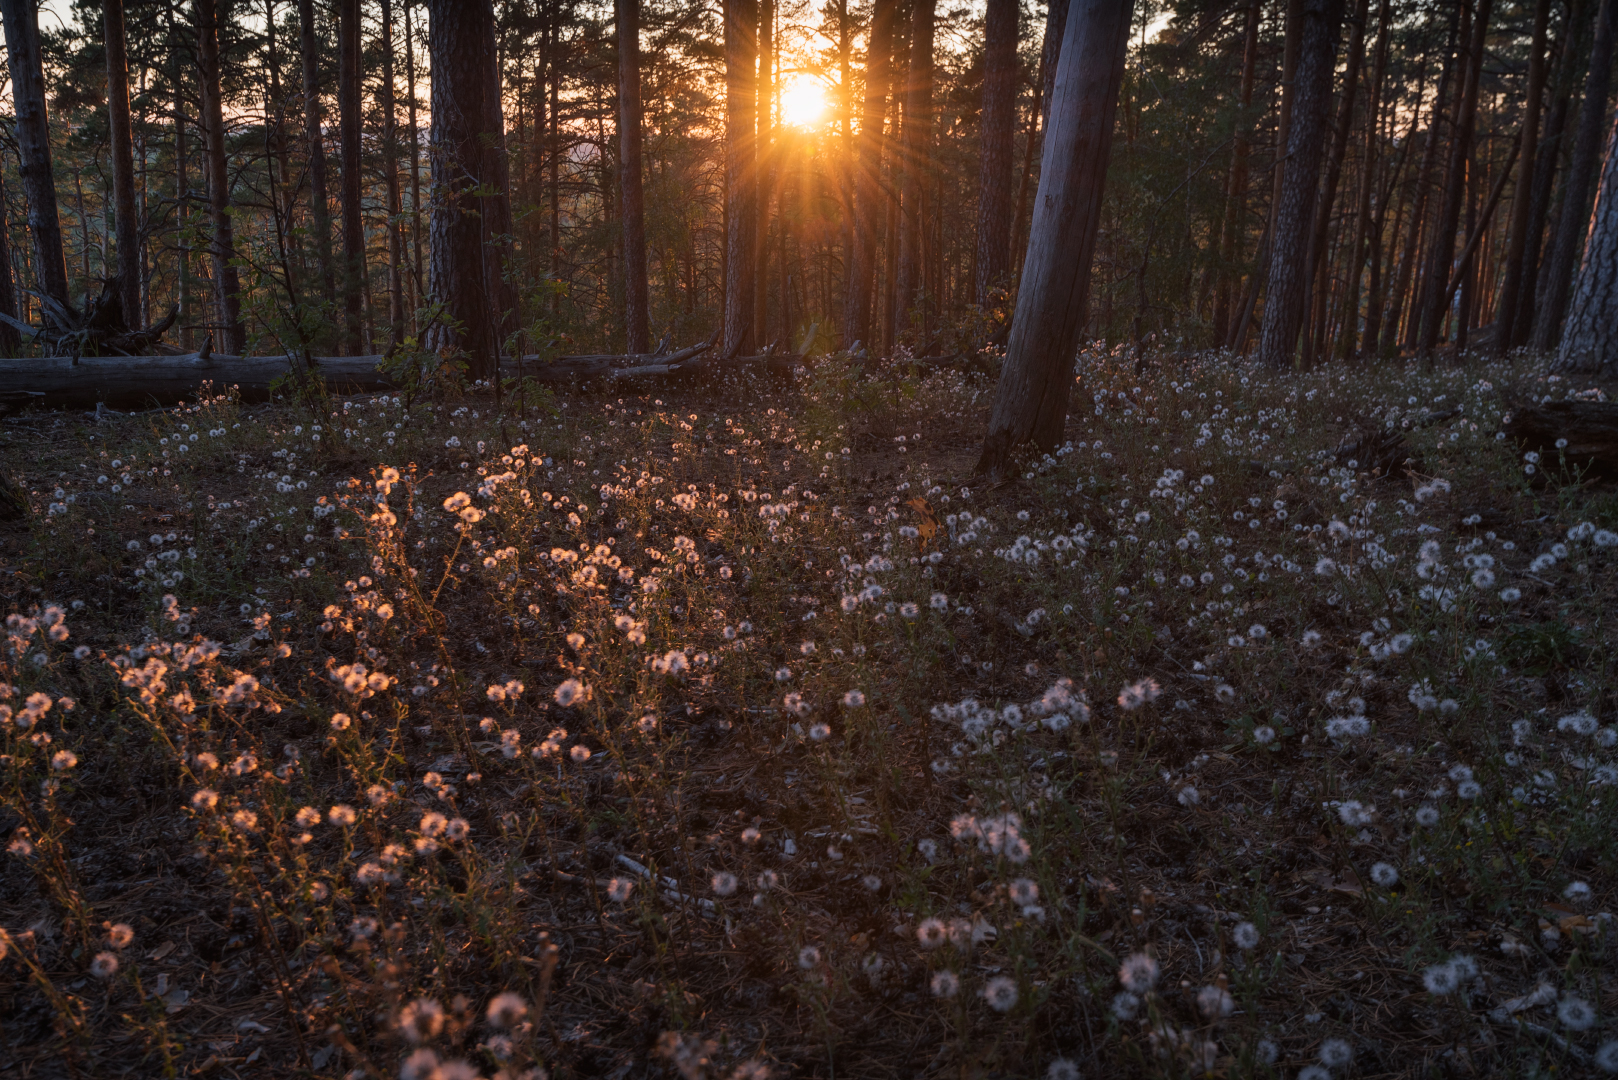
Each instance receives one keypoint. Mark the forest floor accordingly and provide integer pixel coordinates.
(738, 731)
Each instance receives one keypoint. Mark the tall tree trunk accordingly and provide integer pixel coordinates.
(1288, 287)
(471, 204)
(916, 159)
(1050, 49)
(34, 148)
(553, 143)
(869, 198)
(1368, 180)
(282, 193)
(182, 194)
(227, 284)
(1552, 142)
(996, 123)
(637, 301)
(1423, 187)
(1230, 243)
(1031, 399)
(390, 174)
(764, 156)
(418, 284)
(1508, 328)
(1590, 335)
(1573, 223)
(1293, 34)
(1317, 284)
(348, 125)
(319, 204)
(741, 217)
(122, 151)
(1443, 248)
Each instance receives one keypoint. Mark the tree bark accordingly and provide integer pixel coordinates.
(917, 159)
(34, 147)
(122, 151)
(1316, 268)
(348, 136)
(764, 157)
(1236, 184)
(471, 208)
(996, 123)
(869, 199)
(1443, 248)
(390, 173)
(1368, 179)
(1574, 223)
(319, 205)
(1031, 399)
(741, 217)
(1508, 327)
(227, 284)
(1287, 290)
(637, 315)
(1050, 49)
(1590, 335)
(418, 284)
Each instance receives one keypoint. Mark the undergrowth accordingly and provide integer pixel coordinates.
(736, 731)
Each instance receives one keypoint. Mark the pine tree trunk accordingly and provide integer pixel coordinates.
(471, 208)
(1318, 283)
(1507, 328)
(764, 151)
(1590, 335)
(1443, 249)
(282, 194)
(182, 196)
(1552, 142)
(1574, 223)
(121, 145)
(1401, 293)
(32, 126)
(1031, 399)
(636, 296)
(1349, 321)
(741, 217)
(1230, 243)
(868, 195)
(348, 124)
(390, 174)
(227, 284)
(916, 162)
(1287, 290)
(319, 204)
(996, 122)
(1049, 55)
(418, 284)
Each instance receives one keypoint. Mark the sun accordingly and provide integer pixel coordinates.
(803, 101)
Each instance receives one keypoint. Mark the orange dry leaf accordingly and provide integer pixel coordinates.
(927, 523)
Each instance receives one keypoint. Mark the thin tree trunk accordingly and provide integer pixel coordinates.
(764, 157)
(227, 284)
(637, 302)
(1590, 336)
(390, 175)
(1050, 50)
(1552, 142)
(554, 153)
(1574, 223)
(319, 206)
(1362, 216)
(34, 149)
(917, 159)
(868, 195)
(348, 124)
(282, 195)
(1031, 399)
(1288, 287)
(1317, 282)
(996, 123)
(741, 217)
(1508, 327)
(418, 285)
(121, 145)
(1443, 248)
(1404, 289)
(471, 213)
(1230, 244)
(182, 195)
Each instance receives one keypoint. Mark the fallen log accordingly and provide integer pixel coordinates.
(91, 380)
(1588, 431)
